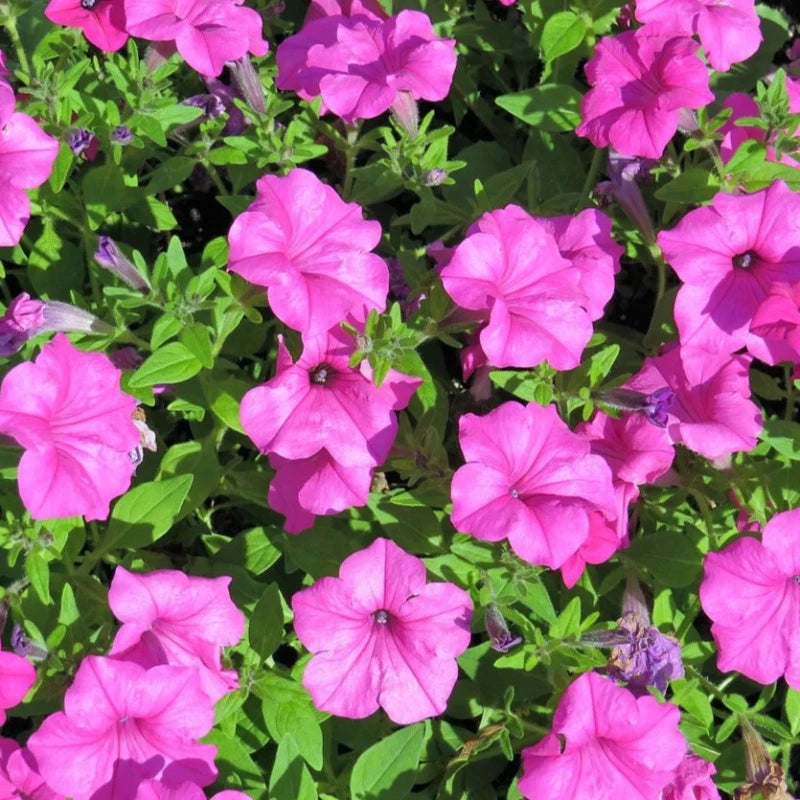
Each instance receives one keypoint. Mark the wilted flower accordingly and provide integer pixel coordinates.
(110, 257)
(500, 636)
(765, 778)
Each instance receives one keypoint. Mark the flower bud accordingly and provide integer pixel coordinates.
(122, 135)
(499, 634)
(655, 406)
(108, 255)
(247, 79)
(406, 112)
(83, 142)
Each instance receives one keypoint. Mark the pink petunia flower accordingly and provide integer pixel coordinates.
(19, 776)
(347, 8)
(320, 402)
(692, 781)
(751, 592)
(155, 790)
(711, 413)
(311, 251)
(16, 678)
(172, 618)
(67, 411)
(775, 327)
(361, 65)
(102, 21)
(605, 744)
(640, 80)
(382, 637)
(27, 154)
(602, 542)
(730, 32)
(318, 485)
(207, 33)
(529, 479)
(729, 256)
(509, 269)
(122, 724)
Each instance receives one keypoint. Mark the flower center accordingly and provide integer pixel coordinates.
(514, 492)
(381, 616)
(796, 579)
(320, 374)
(89, 4)
(744, 260)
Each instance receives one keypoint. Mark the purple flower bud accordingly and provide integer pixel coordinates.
(625, 173)
(126, 358)
(122, 134)
(82, 142)
(655, 406)
(436, 177)
(212, 104)
(406, 112)
(108, 255)
(248, 81)
(499, 634)
(24, 647)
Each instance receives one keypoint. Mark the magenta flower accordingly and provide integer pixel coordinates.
(311, 251)
(122, 724)
(530, 479)
(102, 21)
(605, 744)
(382, 636)
(603, 541)
(207, 33)
(171, 618)
(19, 776)
(729, 256)
(27, 154)
(751, 592)
(67, 411)
(712, 413)
(509, 269)
(348, 8)
(155, 790)
(640, 80)
(692, 781)
(16, 678)
(321, 402)
(318, 485)
(361, 66)
(730, 32)
(775, 327)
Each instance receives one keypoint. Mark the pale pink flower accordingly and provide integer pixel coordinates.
(16, 678)
(67, 411)
(311, 251)
(529, 479)
(382, 637)
(318, 485)
(102, 21)
(729, 31)
(172, 618)
(207, 33)
(711, 413)
(640, 80)
(155, 790)
(509, 269)
(122, 724)
(751, 592)
(692, 781)
(361, 65)
(19, 776)
(27, 154)
(321, 402)
(606, 744)
(730, 255)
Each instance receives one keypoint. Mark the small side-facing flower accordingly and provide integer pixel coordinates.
(172, 618)
(102, 21)
(530, 479)
(16, 678)
(311, 251)
(382, 637)
(19, 776)
(67, 410)
(606, 744)
(692, 781)
(640, 80)
(751, 592)
(123, 723)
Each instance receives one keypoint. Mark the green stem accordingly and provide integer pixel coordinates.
(705, 682)
(350, 161)
(705, 512)
(591, 177)
(13, 34)
(788, 413)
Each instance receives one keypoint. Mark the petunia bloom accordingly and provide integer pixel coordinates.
(16, 678)
(172, 618)
(640, 80)
(692, 781)
(155, 790)
(712, 413)
(605, 744)
(121, 724)
(102, 21)
(207, 33)
(729, 256)
(311, 251)
(730, 32)
(529, 479)
(382, 637)
(19, 776)
(67, 411)
(509, 268)
(750, 591)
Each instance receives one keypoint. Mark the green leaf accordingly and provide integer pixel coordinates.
(198, 342)
(172, 363)
(290, 779)
(387, 770)
(792, 705)
(695, 185)
(562, 32)
(38, 571)
(266, 623)
(670, 556)
(68, 612)
(552, 106)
